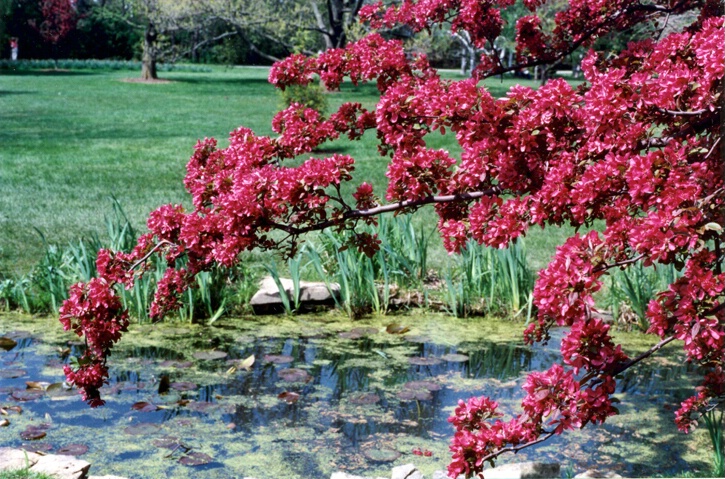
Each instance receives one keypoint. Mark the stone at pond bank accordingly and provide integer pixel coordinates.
(55, 465)
(406, 471)
(596, 474)
(525, 470)
(345, 475)
(312, 295)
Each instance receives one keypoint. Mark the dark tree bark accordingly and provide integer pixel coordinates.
(148, 60)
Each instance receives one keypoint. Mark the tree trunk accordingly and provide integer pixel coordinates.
(148, 60)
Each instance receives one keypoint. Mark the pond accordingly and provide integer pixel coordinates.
(322, 395)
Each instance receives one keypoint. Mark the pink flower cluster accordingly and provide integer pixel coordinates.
(95, 312)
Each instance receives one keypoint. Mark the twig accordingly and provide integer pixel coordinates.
(148, 255)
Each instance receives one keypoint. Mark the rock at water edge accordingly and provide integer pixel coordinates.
(407, 471)
(525, 470)
(62, 467)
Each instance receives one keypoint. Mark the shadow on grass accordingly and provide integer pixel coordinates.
(225, 81)
(7, 92)
(49, 72)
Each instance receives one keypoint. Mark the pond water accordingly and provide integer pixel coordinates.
(322, 395)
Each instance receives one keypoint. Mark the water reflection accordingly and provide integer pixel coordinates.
(353, 392)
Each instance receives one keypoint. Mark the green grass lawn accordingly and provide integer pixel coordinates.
(71, 139)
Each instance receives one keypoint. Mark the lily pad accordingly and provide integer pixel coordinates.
(425, 361)
(210, 355)
(278, 358)
(26, 395)
(166, 442)
(422, 385)
(357, 333)
(173, 363)
(7, 344)
(394, 328)
(381, 454)
(73, 450)
(247, 363)
(415, 395)
(364, 398)
(37, 447)
(59, 390)
(294, 375)
(37, 385)
(12, 373)
(142, 429)
(201, 406)
(195, 459)
(144, 406)
(455, 358)
(33, 433)
(289, 397)
(184, 386)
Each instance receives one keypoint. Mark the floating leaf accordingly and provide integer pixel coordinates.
(195, 459)
(144, 406)
(247, 363)
(364, 398)
(357, 333)
(37, 385)
(166, 442)
(201, 406)
(415, 395)
(184, 386)
(394, 328)
(142, 429)
(289, 397)
(455, 358)
(422, 385)
(12, 373)
(26, 395)
(33, 433)
(210, 355)
(278, 358)
(294, 375)
(38, 447)
(381, 453)
(172, 363)
(58, 389)
(7, 344)
(73, 450)
(8, 409)
(425, 361)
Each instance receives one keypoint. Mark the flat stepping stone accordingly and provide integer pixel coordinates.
(268, 300)
(16, 458)
(62, 467)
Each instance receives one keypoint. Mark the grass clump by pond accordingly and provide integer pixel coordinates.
(23, 474)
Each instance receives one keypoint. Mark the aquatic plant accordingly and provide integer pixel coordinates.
(635, 146)
(486, 280)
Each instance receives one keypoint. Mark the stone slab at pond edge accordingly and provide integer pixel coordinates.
(267, 300)
(56, 466)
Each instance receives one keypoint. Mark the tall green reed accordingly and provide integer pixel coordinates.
(486, 280)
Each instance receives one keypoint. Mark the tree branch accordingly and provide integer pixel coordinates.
(352, 214)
